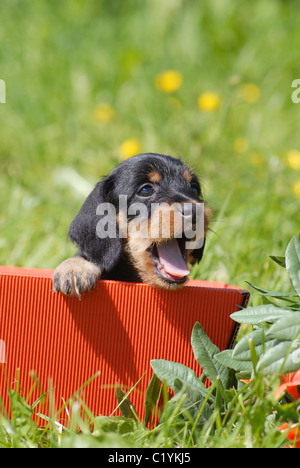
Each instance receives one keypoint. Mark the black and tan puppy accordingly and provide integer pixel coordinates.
(144, 222)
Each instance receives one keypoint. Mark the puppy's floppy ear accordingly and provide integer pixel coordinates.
(105, 251)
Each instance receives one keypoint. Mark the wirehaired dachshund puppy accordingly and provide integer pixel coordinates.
(144, 222)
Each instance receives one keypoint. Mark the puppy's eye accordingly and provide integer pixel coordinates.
(195, 190)
(146, 191)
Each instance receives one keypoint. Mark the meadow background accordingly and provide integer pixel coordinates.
(88, 84)
(91, 83)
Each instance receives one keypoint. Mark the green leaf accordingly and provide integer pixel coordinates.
(204, 351)
(259, 314)
(292, 260)
(279, 260)
(282, 358)
(287, 328)
(115, 424)
(168, 371)
(185, 407)
(260, 340)
(276, 294)
(151, 397)
(226, 358)
(126, 407)
(193, 400)
(257, 288)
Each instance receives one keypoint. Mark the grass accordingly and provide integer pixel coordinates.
(64, 62)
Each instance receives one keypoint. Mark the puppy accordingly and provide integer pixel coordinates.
(144, 222)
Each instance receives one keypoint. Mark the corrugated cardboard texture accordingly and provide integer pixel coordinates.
(116, 329)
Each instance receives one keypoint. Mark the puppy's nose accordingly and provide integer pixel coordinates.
(189, 211)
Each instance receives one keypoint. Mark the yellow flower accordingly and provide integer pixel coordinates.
(168, 81)
(293, 159)
(250, 93)
(103, 113)
(296, 189)
(240, 145)
(209, 102)
(129, 148)
(257, 158)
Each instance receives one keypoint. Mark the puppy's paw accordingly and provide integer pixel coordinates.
(75, 276)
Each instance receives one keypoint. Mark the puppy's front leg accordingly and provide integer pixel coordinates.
(75, 276)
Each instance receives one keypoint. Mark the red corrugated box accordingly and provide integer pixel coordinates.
(116, 329)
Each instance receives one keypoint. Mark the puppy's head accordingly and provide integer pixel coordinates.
(166, 221)
(160, 221)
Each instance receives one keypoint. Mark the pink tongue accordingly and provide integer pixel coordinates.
(171, 259)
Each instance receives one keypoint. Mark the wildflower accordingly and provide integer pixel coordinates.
(103, 113)
(240, 145)
(250, 93)
(296, 189)
(290, 383)
(245, 381)
(293, 435)
(208, 101)
(293, 159)
(257, 158)
(169, 81)
(129, 148)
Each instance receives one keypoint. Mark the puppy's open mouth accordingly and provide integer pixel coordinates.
(169, 259)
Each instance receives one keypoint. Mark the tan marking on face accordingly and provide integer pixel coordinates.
(154, 176)
(166, 223)
(143, 263)
(143, 234)
(189, 257)
(122, 223)
(187, 175)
